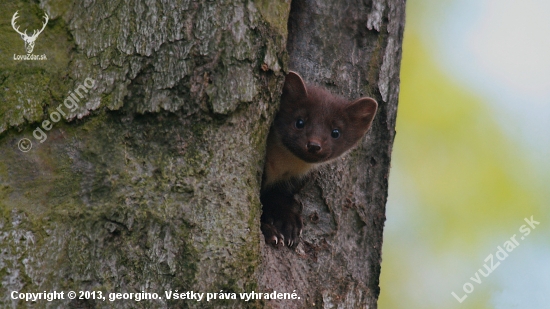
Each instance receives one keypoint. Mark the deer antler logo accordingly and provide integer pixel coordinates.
(29, 40)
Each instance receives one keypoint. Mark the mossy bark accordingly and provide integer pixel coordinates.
(151, 182)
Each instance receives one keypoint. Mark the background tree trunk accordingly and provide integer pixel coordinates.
(152, 183)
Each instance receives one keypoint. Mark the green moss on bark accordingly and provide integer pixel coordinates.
(152, 183)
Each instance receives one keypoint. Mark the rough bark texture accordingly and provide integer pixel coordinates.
(152, 183)
(354, 49)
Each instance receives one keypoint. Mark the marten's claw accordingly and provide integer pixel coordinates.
(272, 236)
(284, 229)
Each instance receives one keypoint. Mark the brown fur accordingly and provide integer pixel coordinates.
(281, 164)
(301, 138)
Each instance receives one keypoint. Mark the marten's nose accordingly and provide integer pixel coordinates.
(313, 147)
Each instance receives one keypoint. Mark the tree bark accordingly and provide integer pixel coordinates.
(152, 183)
(352, 48)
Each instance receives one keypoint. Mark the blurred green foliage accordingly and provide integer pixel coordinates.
(459, 187)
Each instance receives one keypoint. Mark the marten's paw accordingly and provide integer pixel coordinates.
(283, 229)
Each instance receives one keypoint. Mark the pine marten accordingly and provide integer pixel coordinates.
(312, 127)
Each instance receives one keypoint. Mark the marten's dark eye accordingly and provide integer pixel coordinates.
(300, 124)
(335, 133)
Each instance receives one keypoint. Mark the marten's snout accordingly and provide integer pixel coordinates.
(313, 147)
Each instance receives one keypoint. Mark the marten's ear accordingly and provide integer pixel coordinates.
(294, 88)
(362, 112)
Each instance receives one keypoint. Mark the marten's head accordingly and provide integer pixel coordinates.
(317, 126)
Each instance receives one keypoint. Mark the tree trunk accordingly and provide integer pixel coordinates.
(150, 183)
(353, 49)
